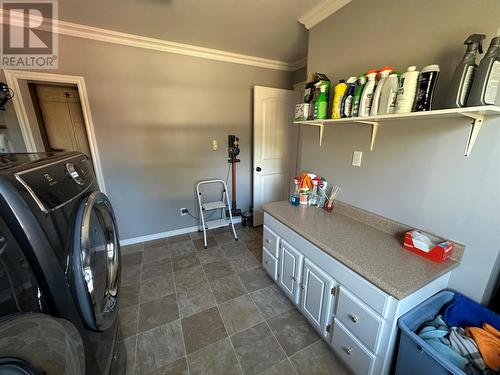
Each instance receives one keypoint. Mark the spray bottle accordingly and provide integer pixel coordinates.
(463, 77)
(346, 105)
(365, 104)
(486, 85)
(357, 94)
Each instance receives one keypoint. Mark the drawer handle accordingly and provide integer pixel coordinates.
(354, 318)
(347, 349)
(268, 240)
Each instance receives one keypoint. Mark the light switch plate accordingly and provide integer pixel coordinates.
(215, 145)
(356, 158)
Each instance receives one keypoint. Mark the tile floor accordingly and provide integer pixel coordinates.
(190, 310)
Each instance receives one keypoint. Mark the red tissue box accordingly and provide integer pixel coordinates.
(439, 253)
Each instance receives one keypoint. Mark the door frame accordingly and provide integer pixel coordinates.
(14, 76)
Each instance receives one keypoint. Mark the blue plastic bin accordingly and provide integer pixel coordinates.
(415, 355)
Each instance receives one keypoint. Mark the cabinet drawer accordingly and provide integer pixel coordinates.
(352, 352)
(271, 241)
(358, 319)
(270, 264)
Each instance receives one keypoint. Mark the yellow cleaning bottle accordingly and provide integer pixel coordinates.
(339, 92)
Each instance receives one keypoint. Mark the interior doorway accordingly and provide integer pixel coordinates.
(59, 116)
(68, 103)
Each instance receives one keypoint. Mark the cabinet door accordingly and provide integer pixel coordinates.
(317, 296)
(290, 271)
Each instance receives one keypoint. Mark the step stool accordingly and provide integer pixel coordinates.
(222, 205)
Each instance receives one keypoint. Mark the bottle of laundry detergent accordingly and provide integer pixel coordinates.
(346, 105)
(463, 77)
(486, 84)
(407, 90)
(425, 88)
(339, 92)
(365, 103)
(383, 74)
(388, 95)
(357, 94)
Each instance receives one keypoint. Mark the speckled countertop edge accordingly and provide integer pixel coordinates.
(422, 270)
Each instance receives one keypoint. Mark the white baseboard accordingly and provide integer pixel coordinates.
(170, 233)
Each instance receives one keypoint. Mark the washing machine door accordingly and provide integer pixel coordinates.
(36, 344)
(94, 264)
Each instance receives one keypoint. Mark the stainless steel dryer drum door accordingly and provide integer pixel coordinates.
(94, 264)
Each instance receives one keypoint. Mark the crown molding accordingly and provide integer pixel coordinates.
(132, 40)
(321, 11)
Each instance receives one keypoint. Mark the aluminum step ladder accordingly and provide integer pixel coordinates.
(222, 205)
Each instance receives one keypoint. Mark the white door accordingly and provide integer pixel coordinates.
(274, 146)
(290, 271)
(317, 295)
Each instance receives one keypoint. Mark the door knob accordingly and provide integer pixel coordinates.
(258, 169)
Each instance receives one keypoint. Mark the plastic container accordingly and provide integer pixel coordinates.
(461, 83)
(486, 84)
(415, 356)
(346, 105)
(407, 90)
(365, 103)
(322, 104)
(357, 95)
(425, 88)
(338, 97)
(383, 75)
(389, 94)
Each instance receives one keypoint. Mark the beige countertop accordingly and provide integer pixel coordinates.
(375, 254)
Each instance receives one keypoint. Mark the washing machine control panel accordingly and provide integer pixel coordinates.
(53, 185)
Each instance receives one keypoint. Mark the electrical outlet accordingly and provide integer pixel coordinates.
(184, 211)
(215, 145)
(356, 158)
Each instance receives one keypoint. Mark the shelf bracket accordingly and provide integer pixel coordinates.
(374, 125)
(321, 130)
(475, 128)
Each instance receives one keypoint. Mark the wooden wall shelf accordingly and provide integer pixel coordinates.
(475, 114)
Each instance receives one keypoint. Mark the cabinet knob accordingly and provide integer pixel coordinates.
(301, 286)
(266, 262)
(268, 240)
(354, 318)
(347, 349)
(293, 278)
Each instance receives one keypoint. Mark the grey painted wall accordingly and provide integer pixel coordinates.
(155, 115)
(300, 75)
(417, 173)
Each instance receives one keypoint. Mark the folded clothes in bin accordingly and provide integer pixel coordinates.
(464, 312)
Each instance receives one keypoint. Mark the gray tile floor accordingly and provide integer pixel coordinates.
(190, 310)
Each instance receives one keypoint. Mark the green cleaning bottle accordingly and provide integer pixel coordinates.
(322, 103)
(357, 94)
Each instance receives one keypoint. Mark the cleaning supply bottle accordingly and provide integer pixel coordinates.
(464, 73)
(366, 100)
(407, 90)
(322, 103)
(389, 93)
(383, 74)
(346, 105)
(425, 88)
(486, 83)
(338, 97)
(357, 94)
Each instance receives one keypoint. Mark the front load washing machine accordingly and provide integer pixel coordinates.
(59, 259)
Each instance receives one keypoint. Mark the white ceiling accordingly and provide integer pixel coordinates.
(263, 28)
